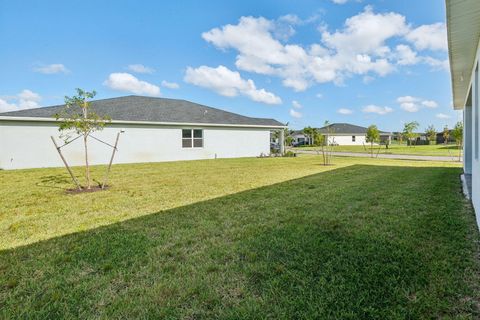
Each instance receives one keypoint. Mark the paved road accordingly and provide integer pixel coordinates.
(385, 156)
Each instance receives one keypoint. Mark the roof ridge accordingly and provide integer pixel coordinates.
(159, 109)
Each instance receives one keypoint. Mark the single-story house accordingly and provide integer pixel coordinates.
(463, 30)
(299, 138)
(441, 139)
(343, 134)
(154, 129)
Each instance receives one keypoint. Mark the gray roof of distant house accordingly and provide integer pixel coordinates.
(344, 128)
(150, 109)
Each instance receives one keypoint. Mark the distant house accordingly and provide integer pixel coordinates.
(440, 139)
(155, 129)
(343, 134)
(300, 139)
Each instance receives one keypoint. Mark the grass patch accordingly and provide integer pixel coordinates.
(428, 150)
(242, 238)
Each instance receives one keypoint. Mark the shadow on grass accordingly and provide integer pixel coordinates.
(53, 181)
(361, 242)
(449, 147)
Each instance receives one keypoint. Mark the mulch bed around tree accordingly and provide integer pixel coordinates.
(84, 189)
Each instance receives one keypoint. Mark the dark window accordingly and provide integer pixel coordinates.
(192, 138)
(186, 133)
(353, 138)
(197, 133)
(186, 143)
(198, 143)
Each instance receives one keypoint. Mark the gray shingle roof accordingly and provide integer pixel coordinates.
(344, 128)
(150, 109)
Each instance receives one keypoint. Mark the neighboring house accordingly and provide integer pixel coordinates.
(300, 139)
(463, 29)
(155, 129)
(440, 139)
(345, 134)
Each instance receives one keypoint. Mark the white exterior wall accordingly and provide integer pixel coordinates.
(28, 144)
(467, 139)
(475, 152)
(344, 140)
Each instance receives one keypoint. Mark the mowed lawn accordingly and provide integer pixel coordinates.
(428, 150)
(277, 238)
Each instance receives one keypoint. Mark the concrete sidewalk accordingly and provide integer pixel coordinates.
(384, 156)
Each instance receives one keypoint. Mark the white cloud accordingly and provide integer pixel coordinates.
(409, 106)
(362, 46)
(413, 104)
(296, 104)
(228, 83)
(52, 69)
(170, 85)
(295, 114)
(345, 111)
(432, 37)
(140, 68)
(26, 99)
(430, 104)
(407, 99)
(377, 109)
(437, 64)
(5, 106)
(122, 81)
(442, 116)
(358, 48)
(409, 103)
(405, 55)
(319, 96)
(367, 32)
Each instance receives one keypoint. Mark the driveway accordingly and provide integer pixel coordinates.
(384, 156)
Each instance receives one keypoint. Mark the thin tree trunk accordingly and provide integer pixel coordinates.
(66, 164)
(85, 137)
(110, 163)
(87, 167)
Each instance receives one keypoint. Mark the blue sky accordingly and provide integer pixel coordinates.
(302, 62)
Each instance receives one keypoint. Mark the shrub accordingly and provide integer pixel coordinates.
(290, 154)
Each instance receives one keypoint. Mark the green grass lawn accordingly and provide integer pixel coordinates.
(241, 238)
(429, 150)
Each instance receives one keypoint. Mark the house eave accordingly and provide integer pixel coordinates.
(152, 123)
(463, 31)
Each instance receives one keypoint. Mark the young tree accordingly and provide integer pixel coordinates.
(446, 135)
(399, 137)
(309, 132)
(78, 118)
(431, 133)
(287, 136)
(457, 133)
(326, 144)
(373, 135)
(409, 131)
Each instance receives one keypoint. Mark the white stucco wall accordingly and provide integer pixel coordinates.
(344, 140)
(475, 144)
(28, 144)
